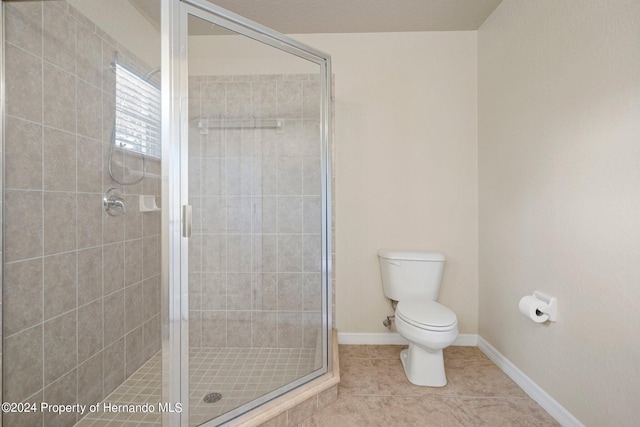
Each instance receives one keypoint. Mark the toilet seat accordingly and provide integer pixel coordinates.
(427, 315)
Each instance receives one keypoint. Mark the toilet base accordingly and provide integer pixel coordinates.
(423, 367)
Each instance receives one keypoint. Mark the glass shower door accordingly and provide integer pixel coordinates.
(257, 280)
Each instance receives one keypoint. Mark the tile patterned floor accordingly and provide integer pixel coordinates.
(374, 391)
(240, 375)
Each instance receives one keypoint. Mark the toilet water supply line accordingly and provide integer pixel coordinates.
(387, 322)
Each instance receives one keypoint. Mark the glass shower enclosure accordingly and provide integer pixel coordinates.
(166, 212)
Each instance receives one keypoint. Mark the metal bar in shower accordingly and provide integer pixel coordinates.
(204, 124)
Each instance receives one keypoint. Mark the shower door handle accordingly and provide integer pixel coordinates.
(187, 220)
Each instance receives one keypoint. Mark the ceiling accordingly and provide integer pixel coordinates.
(352, 16)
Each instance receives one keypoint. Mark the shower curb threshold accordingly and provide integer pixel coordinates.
(299, 404)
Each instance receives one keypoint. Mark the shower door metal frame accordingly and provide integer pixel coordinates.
(175, 194)
(2, 209)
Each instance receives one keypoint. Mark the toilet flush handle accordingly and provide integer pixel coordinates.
(396, 263)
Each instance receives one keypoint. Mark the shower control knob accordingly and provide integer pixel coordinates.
(113, 202)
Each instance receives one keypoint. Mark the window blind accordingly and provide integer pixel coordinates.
(137, 126)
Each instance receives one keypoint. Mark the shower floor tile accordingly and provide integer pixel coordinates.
(238, 374)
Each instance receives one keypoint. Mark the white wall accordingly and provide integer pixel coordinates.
(559, 171)
(222, 55)
(406, 164)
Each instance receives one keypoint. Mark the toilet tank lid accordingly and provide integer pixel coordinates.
(410, 255)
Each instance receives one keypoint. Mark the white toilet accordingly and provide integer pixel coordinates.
(413, 280)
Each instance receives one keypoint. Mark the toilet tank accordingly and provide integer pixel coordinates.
(411, 275)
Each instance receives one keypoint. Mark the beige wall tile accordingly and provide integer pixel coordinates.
(60, 347)
(90, 330)
(238, 291)
(59, 31)
(113, 317)
(238, 101)
(89, 275)
(289, 176)
(134, 219)
(312, 253)
(70, 168)
(311, 329)
(64, 392)
(238, 253)
(289, 98)
(113, 370)
(312, 292)
(113, 258)
(151, 337)
(89, 165)
(289, 330)
(264, 329)
(289, 138)
(133, 302)
(133, 262)
(59, 284)
(311, 136)
(312, 179)
(238, 328)
(59, 222)
(150, 257)
(89, 56)
(112, 227)
(239, 213)
(134, 346)
(23, 79)
(59, 160)
(23, 237)
(302, 411)
(59, 102)
(312, 214)
(89, 111)
(23, 26)
(265, 291)
(89, 227)
(90, 380)
(327, 396)
(311, 99)
(263, 99)
(214, 291)
(23, 361)
(214, 328)
(150, 223)
(289, 253)
(289, 214)
(23, 295)
(151, 297)
(290, 291)
(23, 147)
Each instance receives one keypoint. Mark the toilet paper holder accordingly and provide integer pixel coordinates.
(551, 308)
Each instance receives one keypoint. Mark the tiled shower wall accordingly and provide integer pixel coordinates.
(82, 298)
(255, 254)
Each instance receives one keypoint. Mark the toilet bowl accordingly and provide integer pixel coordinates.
(429, 327)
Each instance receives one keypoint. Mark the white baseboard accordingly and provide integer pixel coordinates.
(394, 338)
(543, 399)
